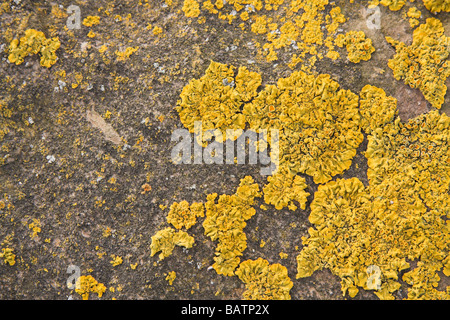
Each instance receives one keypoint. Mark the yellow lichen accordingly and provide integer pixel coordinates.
(146, 188)
(35, 226)
(157, 30)
(8, 256)
(424, 64)
(302, 24)
(437, 5)
(34, 42)
(414, 155)
(165, 241)
(5, 125)
(348, 251)
(247, 82)
(216, 100)
(318, 123)
(107, 232)
(424, 280)
(272, 4)
(116, 260)
(376, 108)
(181, 215)
(259, 26)
(414, 14)
(191, 8)
(57, 12)
(393, 5)
(90, 21)
(334, 19)
(358, 46)
(171, 277)
(264, 281)
(244, 16)
(283, 188)
(397, 218)
(87, 284)
(124, 55)
(225, 222)
(333, 55)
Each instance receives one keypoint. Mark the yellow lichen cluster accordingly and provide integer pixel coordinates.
(264, 281)
(165, 241)
(34, 42)
(424, 281)
(410, 163)
(413, 158)
(393, 5)
(225, 222)
(157, 30)
(396, 219)
(413, 14)
(283, 188)
(318, 124)
(344, 235)
(297, 24)
(90, 21)
(5, 121)
(35, 227)
(116, 260)
(424, 63)
(358, 46)
(124, 55)
(171, 276)
(181, 215)
(376, 108)
(8, 256)
(437, 5)
(216, 100)
(87, 284)
(191, 8)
